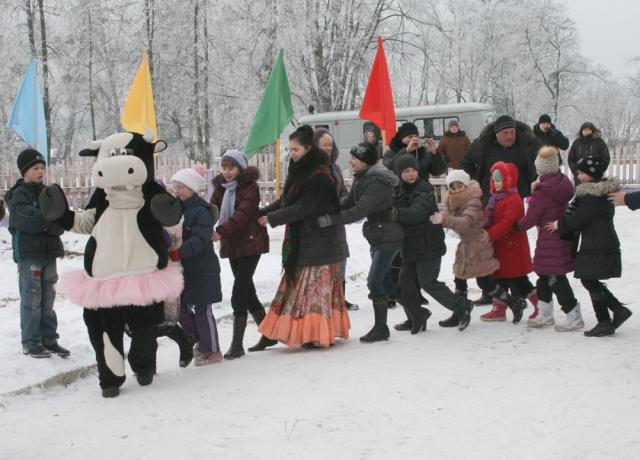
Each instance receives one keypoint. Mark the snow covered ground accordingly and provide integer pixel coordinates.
(495, 391)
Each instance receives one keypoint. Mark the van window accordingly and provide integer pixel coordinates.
(368, 126)
(433, 127)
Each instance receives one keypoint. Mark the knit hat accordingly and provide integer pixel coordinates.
(406, 129)
(457, 175)
(365, 151)
(190, 178)
(592, 166)
(547, 161)
(403, 162)
(236, 157)
(454, 122)
(29, 158)
(503, 122)
(544, 119)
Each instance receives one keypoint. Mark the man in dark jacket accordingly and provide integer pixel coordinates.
(431, 162)
(509, 141)
(547, 133)
(631, 200)
(36, 246)
(371, 196)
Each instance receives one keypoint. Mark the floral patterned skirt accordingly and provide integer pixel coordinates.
(310, 307)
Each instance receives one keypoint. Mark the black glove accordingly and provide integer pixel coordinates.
(166, 209)
(324, 221)
(53, 204)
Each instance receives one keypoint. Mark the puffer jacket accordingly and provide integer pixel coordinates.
(463, 214)
(33, 237)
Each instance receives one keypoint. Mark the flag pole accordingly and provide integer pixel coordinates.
(277, 167)
(384, 139)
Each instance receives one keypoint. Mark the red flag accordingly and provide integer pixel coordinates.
(377, 105)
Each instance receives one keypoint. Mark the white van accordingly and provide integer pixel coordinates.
(432, 121)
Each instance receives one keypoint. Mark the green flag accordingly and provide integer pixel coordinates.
(274, 112)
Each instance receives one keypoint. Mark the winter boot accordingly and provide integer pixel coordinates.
(515, 304)
(64, 353)
(620, 312)
(263, 343)
(602, 329)
(464, 315)
(38, 352)
(380, 331)
(208, 358)
(350, 306)
(145, 378)
(485, 299)
(544, 317)
(451, 321)
(404, 326)
(533, 298)
(498, 313)
(236, 350)
(572, 322)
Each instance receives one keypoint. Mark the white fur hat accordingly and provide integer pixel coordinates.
(457, 175)
(191, 178)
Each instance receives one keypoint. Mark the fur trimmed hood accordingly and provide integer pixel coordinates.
(599, 188)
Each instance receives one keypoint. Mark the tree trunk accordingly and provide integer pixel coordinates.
(28, 8)
(92, 108)
(45, 72)
(149, 14)
(205, 89)
(196, 81)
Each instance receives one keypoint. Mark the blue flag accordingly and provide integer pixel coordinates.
(27, 115)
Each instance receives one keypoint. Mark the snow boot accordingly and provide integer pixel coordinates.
(236, 349)
(63, 352)
(451, 321)
(497, 313)
(533, 298)
(263, 343)
(544, 315)
(602, 329)
(380, 331)
(464, 314)
(145, 378)
(620, 312)
(515, 304)
(408, 324)
(38, 352)
(572, 322)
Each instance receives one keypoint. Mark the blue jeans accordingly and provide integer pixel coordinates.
(379, 279)
(38, 321)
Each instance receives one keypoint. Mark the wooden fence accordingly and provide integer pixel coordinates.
(75, 176)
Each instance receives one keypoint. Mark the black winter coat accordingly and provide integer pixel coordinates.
(632, 200)
(200, 264)
(414, 203)
(309, 192)
(591, 216)
(428, 164)
(371, 196)
(588, 146)
(522, 153)
(33, 236)
(552, 137)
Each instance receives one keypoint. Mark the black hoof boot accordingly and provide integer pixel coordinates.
(110, 392)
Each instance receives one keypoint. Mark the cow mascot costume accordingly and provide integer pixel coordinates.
(126, 277)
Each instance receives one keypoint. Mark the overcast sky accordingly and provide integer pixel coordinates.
(609, 31)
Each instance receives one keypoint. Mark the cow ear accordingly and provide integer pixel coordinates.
(89, 153)
(160, 146)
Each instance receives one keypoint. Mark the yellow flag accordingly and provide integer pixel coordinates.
(138, 112)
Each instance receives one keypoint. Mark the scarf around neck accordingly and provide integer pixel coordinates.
(227, 207)
(495, 197)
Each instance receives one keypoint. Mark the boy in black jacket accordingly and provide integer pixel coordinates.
(422, 248)
(36, 246)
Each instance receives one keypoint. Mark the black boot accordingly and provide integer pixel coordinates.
(515, 304)
(620, 312)
(185, 343)
(110, 392)
(380, 331)
(451, 321)
(603, 328)
(145, 378)
(462, 293)
(485, 299)
(404, 326)
(350, 306)
(236, 350)
(464, 314)
(420, 323)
